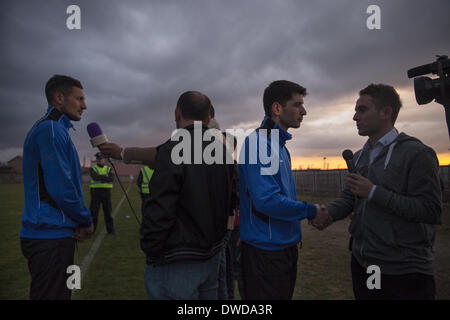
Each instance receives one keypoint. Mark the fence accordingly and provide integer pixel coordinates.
(333, 181)
(330, 181)
(10, 178)
(313, 181)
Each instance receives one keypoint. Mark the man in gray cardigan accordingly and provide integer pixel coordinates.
(396, 200)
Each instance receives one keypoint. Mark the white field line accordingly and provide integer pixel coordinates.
(88, 259)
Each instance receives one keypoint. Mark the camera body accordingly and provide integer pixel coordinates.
(427, 89)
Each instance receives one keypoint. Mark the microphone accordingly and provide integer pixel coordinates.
(96, 134)
(97, 139)
(348, 157)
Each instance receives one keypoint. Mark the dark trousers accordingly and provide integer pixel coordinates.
(269, 274)
(101, 196)
(48, 260)
(144, 196)
(411, 286)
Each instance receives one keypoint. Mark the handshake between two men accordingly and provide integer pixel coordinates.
(359, 186)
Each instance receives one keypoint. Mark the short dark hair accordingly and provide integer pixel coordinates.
(194, 106)
(280, 91)
(384, 96)
(60, 83)
(212, 112)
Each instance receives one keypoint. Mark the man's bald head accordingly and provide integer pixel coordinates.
(194, 105)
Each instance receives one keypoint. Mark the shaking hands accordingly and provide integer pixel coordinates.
(322, 219)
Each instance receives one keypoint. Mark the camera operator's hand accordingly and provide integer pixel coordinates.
(111, 150)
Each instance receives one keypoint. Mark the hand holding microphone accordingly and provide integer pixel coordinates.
(100, 140)
(134, 155)
(109, 150)
(359, 185)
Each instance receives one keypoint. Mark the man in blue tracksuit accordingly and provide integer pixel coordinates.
(54, 214)
(270, 213)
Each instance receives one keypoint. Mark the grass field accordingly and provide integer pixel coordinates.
(116, 272)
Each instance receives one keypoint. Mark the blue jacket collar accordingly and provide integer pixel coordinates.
(284, 135)
(60, 117)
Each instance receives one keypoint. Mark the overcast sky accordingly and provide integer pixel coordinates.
(134, 58)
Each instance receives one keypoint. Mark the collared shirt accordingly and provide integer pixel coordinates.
(376, 149)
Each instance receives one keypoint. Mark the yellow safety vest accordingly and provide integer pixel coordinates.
(147, 174)
(102, 172)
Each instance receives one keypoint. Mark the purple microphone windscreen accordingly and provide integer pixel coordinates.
(94, 130)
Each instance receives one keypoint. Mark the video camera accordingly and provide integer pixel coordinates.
(427, 89)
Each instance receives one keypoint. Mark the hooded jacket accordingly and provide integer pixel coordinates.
(269, 211)
(395, 230)
(54, 200)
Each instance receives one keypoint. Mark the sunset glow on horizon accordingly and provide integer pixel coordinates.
(337, 162)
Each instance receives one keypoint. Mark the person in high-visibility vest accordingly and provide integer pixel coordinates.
(101, 184)
(143, 182)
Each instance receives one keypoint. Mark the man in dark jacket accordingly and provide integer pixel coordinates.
(396, 198)
(185, 220)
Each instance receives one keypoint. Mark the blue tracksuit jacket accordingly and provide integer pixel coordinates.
(272, 192)
(54, 201)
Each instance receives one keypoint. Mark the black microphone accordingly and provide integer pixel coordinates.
(348, 157)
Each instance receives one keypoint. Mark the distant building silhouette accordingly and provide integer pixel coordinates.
(15, 164)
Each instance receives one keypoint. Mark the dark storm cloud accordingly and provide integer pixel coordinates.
(134, 58)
